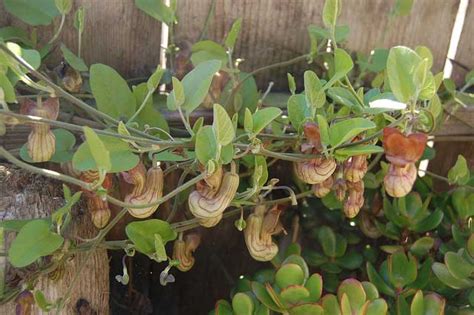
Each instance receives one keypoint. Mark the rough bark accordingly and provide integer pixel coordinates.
(27, 196)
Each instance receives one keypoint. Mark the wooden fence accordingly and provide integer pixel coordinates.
(120, 35)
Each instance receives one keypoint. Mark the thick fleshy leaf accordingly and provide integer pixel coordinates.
(289, 274)
(242, 304)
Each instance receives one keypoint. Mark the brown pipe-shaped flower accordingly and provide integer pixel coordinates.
(355, 199)
(98, 207)
(324, 188)
(208, 207)
(183, 251)
(259, 230)
(355, 168)
(402, 151)
(399, 180)
(150, 192)
(41, 141)
(314, 171)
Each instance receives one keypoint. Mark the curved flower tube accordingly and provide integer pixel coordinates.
(151, 191)
(399, 180)
(97, 205)
(259, 231)
(207, 207)
(324, 188)
(41, 141)
(355, 168)
(355, 199)
(183, 251)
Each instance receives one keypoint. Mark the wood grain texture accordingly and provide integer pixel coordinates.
(26, 196)
(465, 52)
(120, 35)
(276, 30)
(116, 33)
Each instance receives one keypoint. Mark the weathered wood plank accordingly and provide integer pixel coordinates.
(465, 52)
(116, 33)
(275, 30)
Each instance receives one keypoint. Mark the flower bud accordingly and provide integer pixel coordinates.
(399, 180)
(355, 199)
(183, 251)
(41, 140)
(324, 188)
(340, 188)
(315, 171)
(355, 168)
(97, 206)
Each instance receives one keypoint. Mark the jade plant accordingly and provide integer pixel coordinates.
(334, 169)
(292, 290)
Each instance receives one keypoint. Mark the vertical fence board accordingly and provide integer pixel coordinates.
(276, 30)
(116, 33)
(465, 52)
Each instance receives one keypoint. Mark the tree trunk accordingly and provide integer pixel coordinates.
(27, 196)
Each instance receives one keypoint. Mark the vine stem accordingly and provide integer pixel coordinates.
(142, 106)
(58, 31)
(89, 186)
(41, 120)
(71, 98)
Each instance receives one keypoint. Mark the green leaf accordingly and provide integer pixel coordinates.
(291, 83)
(417, 306)
(261, 118)
(149, 115)
(160, 250)
(157, 9)
(35, 240)
(142, 234)
(447, 278)
(178, 92)
(313, 89)
(38, 12)
(111, 92)
(354, 291)
(262, 295)
(343, 96)
(458, 266)
(73, 60)
(260, 175)
(155, 78)
(294, 294)
(342, 61)
(222, 126)
(17, 225)
(15, 34)
(208, 50)
(289, 274)
(7, 88)
(248, 121)
(360, 149)
(63, 6)
(233, 34)
(331, 10)
(242, 304)
(42, 302)
(196, 85)
(223, 308)
(315, 287)
(323, 130)
(206, 145)
(378, 281)
(327, 239)
(121, 157)
(422, 246)
(98, 150)
(345, 130)
(298, 111)
(401, 270)
(401, 65)
(429, 223)
(459, 173)
(79, 17)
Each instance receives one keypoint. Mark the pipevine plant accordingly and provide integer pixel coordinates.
(411, 248)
